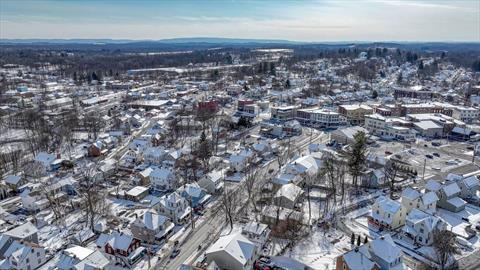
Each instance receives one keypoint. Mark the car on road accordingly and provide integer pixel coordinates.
(388, 153)
(436, 144)
(436, 154)
(175, 253)
(429, 156)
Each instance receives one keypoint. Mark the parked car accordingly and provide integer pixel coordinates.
(436, 154)
(429, 156)
(388, 153)
(175, 253)
(436, 144)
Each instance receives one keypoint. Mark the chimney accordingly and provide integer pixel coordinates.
(382, 237)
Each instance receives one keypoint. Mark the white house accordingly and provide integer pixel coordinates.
(23, 255)
(212, 182)
(233, 252)
(412, 199)
(287, 196)
(162, 179)
(152, 226)
(419, 227)
(387, 213)
(256, 232)
(175, 207)
(386, 253)
(77, 257)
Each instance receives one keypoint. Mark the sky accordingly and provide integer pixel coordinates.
(298, 20)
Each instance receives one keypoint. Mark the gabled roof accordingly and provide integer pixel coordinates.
(451, 189)
(429, 197)
(410, 193)
(236, 245)
(152, 221)
(471, 182)
(23, 231)
(433, 185)
(430, 222)
(385, 248)
(289, 191)
(357, 260)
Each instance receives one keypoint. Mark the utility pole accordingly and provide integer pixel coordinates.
(424, 165)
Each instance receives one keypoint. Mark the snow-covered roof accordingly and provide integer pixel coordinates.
(13, 179)
(152, 221)
(385, 248)
(236, 245)
(410, 194)
(161, 173)
(136, 191)
(116, 240)
(471, 182)
(289, 191)
(23, 231)
(255, 228)
(388, 205)
(457, 202)
(451, 189)
(430, 222)
(357, 260)
(433, 185)
(429, 198)
(192, 190)
(45, 158)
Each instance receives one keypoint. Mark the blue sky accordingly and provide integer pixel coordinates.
(302, 20)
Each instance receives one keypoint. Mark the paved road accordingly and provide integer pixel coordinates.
(214, 222)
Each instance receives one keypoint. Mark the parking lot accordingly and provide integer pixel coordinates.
(438, 157)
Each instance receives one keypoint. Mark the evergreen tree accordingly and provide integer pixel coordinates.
(374, 94)
(366, 240)
(359, 241)
(352, 239)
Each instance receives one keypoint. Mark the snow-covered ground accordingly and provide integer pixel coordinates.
(320, 249)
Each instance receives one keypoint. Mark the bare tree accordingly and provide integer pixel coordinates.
(251, 185)
(94, 203)
(230, 201)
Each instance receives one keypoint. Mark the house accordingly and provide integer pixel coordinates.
(26, 232)
(386, 253)
(469, 187)
(95, 149)
(411, 199)
(287, 196)
(23, 255)
(449, 198)
(81, 258)
(373, 178)
(120, 248)
(194, 194)
(14, 181)
(154, 155)
(152, 227)
(33, 201)
(387, 213)
(162, 179)
(355, 260)
(419, 227)
(46, 162)
(212, 182)
(233, 252)
(136, 194)
(256, 232)
(175, 207)
(306, 165)
(238, 162)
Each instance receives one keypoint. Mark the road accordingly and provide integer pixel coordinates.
(207, 232)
